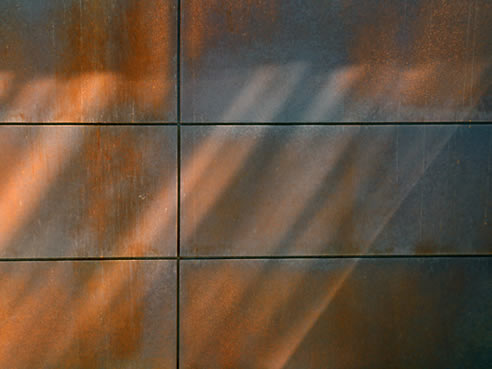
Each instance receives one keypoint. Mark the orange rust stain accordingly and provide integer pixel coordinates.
(110, 61)
(119, 300)
(362, 49)
(443, 63)
(133, 50)
(451, 42)
(23, 327)
(202, 31)
(150, 63)
(6, 79)
(114, 170)
(126, 328)
(88, 38)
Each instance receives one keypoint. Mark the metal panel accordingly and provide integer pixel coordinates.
(347, 60)
(87, 191)
(88, 315)
(86, 61)
(309, 190)
(369, 313)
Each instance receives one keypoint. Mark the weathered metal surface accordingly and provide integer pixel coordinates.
(85, 61)
(259, 190)
(87, 191)
(88, 315)
(369, 313)
(348, 60)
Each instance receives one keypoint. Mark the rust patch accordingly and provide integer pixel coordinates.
(114, 173)
(202, 30)
(100, 61)
(442, 61)
(111, 293)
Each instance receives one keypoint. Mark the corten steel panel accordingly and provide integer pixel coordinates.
(309, 190)
(83, 315)
(386, 313)
(87, 191)
(348, 60)
(86, 61)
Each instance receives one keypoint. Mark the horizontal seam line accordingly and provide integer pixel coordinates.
(262, 257)
(218, 124)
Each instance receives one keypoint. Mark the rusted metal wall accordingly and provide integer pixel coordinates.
(345, 60)
(88, 61)
(248, 60)
(149, 218)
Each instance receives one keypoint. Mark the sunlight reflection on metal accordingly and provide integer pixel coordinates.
(305, 186)
(347, 188)
(234, 291)
(101, 195)
(343, 196)
(301, 328)
(415, 60)
(59, 320)
(347, 179)
(260, 99)
(80, 98)
(158, 218)
(259, 194)
(250, 94)
(290, 342)
(193, 174)
(18, 328)
(61, 305)
(32, 178)
(88, 61)
(101, 298)
(331, 95)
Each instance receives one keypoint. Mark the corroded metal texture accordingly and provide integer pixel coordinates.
(348, 60)
(91, 60)
(258, 190)
(291, 314)
(288, 246)
(87, 191)
(88, 315)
